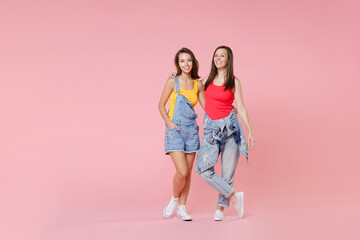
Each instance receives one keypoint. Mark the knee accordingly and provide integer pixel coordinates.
(227, 179)
(228, 176)
(182, 174)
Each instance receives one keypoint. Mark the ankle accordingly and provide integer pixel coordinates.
(220, 208)
(232, 198)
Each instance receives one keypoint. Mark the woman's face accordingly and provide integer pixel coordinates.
(221, 58)
(185, 62)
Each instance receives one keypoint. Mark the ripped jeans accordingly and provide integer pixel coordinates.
(229, 159)
(222, 136)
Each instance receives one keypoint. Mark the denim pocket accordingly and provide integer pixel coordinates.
(172, 133)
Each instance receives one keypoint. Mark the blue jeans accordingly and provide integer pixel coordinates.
(229, 159)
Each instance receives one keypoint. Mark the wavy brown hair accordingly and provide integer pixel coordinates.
(229, 75)
(195, 67)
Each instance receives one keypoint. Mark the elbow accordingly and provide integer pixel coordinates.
(161, 106)
(242, 110)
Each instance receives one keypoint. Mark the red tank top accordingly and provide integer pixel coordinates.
(218, 103)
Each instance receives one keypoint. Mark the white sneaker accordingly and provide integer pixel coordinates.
(239, 205)
(170, 208)
(181, 213)
(219, 215)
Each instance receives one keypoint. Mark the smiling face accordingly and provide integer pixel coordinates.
(185, 62)
(221, 58)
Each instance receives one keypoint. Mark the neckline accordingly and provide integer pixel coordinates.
(190, 89)
(217, 85)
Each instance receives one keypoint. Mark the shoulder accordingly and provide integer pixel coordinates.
(200, 85)
(170, 80)
(237, 86)
(237, 82)
(170, 83)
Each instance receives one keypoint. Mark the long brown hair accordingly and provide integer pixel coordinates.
(229, 76)
(195, 67)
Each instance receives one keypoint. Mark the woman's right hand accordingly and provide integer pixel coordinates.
(172, 125)
(251, 140)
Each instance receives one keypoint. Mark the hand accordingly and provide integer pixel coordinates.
(251, 140)
(235, 110)
(172, 75)
(172, 125)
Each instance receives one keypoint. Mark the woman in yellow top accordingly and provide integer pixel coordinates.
(182, 132)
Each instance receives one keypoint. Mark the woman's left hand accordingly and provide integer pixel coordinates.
(251, 140)
(172, 75)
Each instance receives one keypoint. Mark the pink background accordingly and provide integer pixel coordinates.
(81, 138)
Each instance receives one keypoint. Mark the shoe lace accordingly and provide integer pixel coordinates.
(172, 203)
(182, 210)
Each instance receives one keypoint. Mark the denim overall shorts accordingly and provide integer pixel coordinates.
(187, 139)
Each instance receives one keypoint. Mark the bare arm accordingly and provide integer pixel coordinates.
(243, 111)
(169, 87)
(201, 94)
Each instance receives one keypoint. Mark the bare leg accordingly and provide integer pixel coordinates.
(185, 192)
(181, 175)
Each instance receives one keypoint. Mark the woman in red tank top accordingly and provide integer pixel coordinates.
(222, 131)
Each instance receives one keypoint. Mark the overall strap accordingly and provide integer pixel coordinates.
(177, 84)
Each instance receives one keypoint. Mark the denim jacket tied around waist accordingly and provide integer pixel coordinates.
(216, 131)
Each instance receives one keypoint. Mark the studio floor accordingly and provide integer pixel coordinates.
(146, 222)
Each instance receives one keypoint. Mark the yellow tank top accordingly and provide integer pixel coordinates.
(191, 95)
